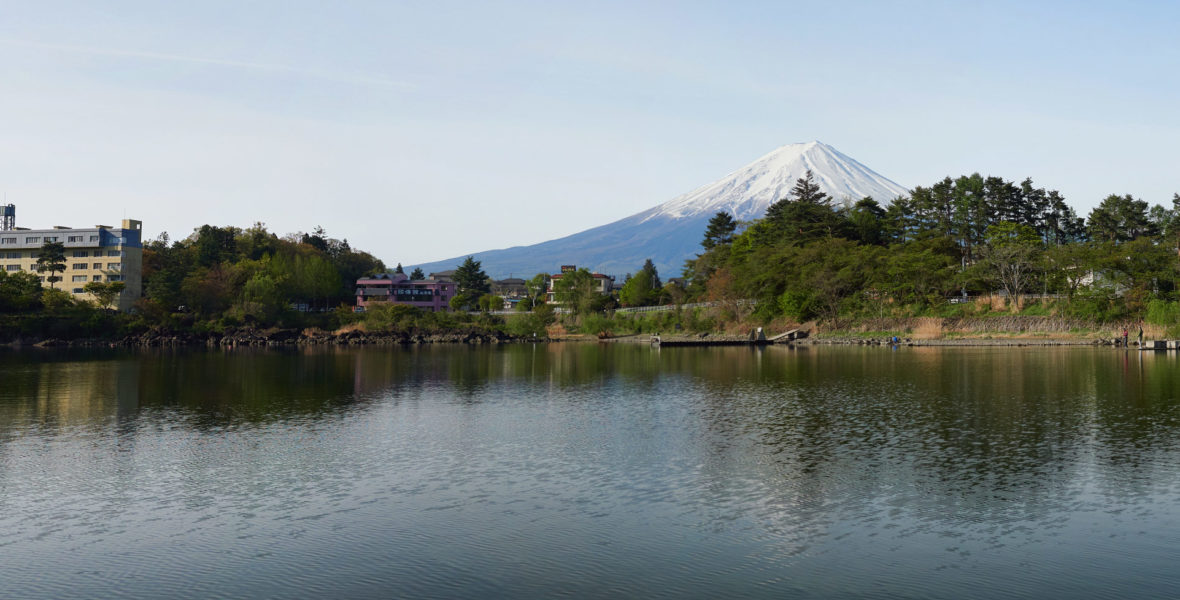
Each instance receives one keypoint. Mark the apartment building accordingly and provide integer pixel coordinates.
(397, 288)
(99, 253)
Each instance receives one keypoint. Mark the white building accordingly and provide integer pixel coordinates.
(100, 253)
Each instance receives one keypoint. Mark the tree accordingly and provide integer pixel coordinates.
(106, 293)
(866, 219)
(637, 291)
(537, 288)
(417, 274)
(471, 283)
(215, 245)
(19, 291)
(576, 291)
(1010, 258)
(807, 190)
(490, 302)
(1119, 219)
(317, 239)
(803, 216)
(644, 288)
(399, 269)
(1072, 266)
(52, 258)
(719, 231)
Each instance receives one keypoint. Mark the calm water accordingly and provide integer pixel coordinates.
(590, 471)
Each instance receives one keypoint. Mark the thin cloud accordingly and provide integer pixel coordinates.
(235, 64)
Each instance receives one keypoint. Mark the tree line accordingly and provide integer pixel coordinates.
(810, 257)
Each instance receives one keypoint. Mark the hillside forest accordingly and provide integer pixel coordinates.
(964, 247)
(810, 258)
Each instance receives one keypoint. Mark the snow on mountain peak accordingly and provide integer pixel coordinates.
(747, 192)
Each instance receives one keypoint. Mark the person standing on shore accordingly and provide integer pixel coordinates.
(1140, 335)
(1124, 337)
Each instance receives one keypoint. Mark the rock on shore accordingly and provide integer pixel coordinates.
(248, 336)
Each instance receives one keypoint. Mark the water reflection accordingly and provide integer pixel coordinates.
(564, 467)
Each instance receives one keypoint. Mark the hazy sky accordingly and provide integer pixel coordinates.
(424, 130)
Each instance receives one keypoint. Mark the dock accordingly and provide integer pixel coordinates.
(756, 338)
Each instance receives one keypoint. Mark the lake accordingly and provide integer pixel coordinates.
(590, 471)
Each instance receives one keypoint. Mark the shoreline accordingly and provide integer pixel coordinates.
(274, 337)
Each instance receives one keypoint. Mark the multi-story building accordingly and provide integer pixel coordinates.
(100, 253)
(399, 289)
(602, 284)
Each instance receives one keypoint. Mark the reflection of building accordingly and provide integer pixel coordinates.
(603, 284)
(93, 254)
(399, 289)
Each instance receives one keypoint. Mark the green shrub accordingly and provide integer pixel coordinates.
(1162, 312)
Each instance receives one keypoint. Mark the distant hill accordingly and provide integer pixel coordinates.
(671, 233)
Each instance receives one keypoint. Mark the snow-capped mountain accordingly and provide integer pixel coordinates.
(671, 233)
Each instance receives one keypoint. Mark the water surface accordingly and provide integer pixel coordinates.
(582, 470)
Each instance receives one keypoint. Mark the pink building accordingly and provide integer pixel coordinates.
(397, 288)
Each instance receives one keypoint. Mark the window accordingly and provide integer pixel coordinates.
(13, 267)
(113, 267)
(51, 238)
(7, 240)
(74, 238)
(79, 278)
(13, 255)
(97, 265)
(98, 278)
(114, 253)
(79, 266)
(94, 238)
(77, 290)
(81, 254)
(34, 255)
(33, 240)
(114, 278)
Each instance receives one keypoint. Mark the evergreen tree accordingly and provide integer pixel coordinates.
(807, 190)
(1119, 219)
(52, 258)
(417, 274)
(650, 269)
(472, 283)
(399, 269)
(805, 215)
(720, 230)
(642, 289)
(866, 218)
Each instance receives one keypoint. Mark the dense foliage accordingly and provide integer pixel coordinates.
(230, 276)
(812, 258)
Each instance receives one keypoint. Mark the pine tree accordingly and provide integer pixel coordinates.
(472, 283)
(417, 274)
(52, 258)
(399, 269)
(720, 230)
(807, 190)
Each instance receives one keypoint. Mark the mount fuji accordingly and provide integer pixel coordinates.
(671, 233)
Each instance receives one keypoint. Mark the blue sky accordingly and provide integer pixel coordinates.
(425, 130)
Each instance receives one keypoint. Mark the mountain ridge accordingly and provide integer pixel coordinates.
(670, 233)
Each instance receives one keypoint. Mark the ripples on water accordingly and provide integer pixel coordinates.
(589, 471)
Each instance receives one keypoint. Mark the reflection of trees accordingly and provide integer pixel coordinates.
(998, 433)
(990, 434)
(66, 389)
